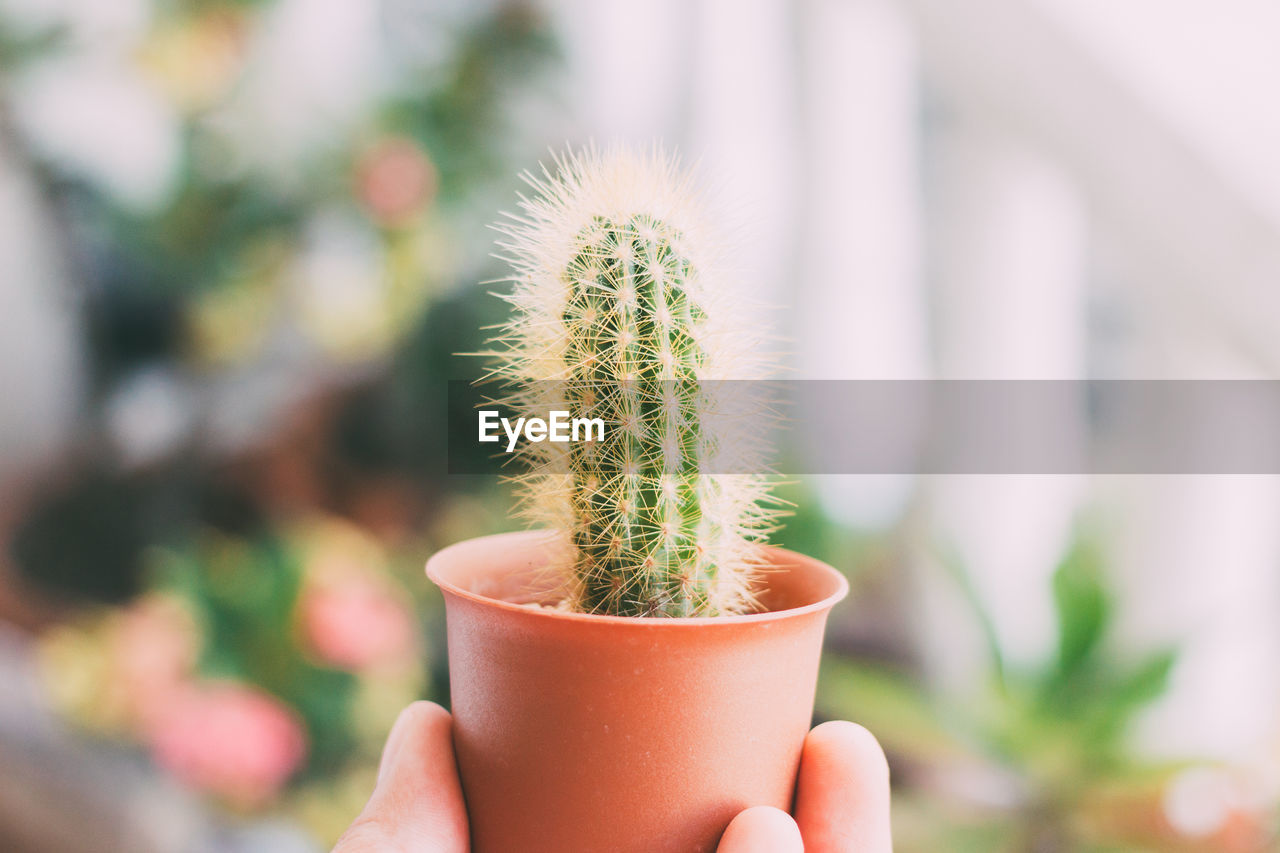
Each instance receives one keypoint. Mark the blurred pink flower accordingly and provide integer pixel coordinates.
(395, 180)
(229, 739)
(350, 620)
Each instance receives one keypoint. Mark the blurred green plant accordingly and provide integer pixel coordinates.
(1039, 760)
(263, 672)
(203, 277)
(18, 48)
(238, 275)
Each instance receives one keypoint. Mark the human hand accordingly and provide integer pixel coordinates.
(842, 796)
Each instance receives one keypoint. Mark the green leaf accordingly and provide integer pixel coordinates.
(1083, 607)
(1148, 681)
(954, 567)
(1136, 690)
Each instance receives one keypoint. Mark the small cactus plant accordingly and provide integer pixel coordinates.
(619, 314)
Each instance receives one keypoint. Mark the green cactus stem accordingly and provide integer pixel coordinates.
(640, 538)
(614, 304)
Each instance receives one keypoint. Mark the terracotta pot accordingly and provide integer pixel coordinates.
(602, 733)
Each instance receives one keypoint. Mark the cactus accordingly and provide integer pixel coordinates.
(618, 314)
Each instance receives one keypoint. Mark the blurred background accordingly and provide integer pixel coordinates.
(241, 240)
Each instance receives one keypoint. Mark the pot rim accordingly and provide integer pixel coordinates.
(825, 603)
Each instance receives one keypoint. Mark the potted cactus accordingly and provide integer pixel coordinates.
(641, 667)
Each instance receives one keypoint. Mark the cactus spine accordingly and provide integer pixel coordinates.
(616, 310)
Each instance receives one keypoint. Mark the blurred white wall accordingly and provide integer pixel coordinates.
(1210, 69)
(1010, 273)
(858, 307)
(41, 370)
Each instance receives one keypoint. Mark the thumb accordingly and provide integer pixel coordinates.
(417, 804)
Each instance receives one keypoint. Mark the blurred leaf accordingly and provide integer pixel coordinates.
(955, 567)
(1083, 606)
(17, 49)
(1149, 680)
(889, 704)
(1123, 699)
